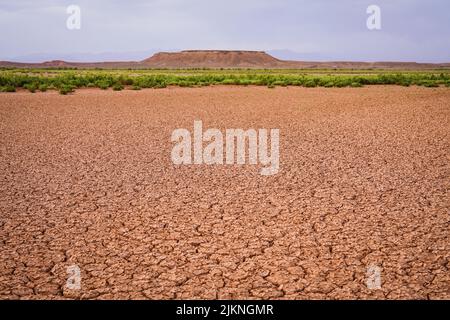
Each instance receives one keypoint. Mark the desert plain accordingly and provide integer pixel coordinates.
(86, 180)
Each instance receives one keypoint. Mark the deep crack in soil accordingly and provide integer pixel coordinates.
(87, 180)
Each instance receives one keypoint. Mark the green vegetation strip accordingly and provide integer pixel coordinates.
(67, 81)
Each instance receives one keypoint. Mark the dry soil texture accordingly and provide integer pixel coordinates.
(87, 180)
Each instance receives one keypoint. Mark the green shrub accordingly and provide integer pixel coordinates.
(7, 88)
(429, 84)
(244, 82)
(126, 81)
(310, 84)
(102, 84)
(36, 79)
(117, 87)
(160, 85)
(229, 81)
(186, 84)
(43, 87)
(65, 89)
(405, 83)
(279, 83)
(340, 84)
(32, 87)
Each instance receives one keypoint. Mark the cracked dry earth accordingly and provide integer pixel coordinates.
(87, 180)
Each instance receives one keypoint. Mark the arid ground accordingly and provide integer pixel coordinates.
(87, 180)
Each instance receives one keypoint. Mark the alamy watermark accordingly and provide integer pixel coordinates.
(189, 150)
(374, 20)
(73, 277)
(73, 22)
(373, 277)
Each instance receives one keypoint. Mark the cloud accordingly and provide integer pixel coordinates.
(411, 29)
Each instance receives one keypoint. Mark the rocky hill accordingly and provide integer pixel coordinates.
(223, 59)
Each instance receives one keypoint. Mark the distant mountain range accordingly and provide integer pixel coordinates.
(141, 55)
(208, 59)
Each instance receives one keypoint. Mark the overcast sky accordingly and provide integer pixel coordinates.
(411, 30)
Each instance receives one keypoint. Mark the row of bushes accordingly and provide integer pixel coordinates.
(67, 82)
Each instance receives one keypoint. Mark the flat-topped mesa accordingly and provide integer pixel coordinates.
(225, 51)
(55, 63)
(213, 59)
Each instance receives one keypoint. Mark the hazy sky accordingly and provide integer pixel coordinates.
(316, 29)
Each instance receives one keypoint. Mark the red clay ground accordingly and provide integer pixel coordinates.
(87, 179)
